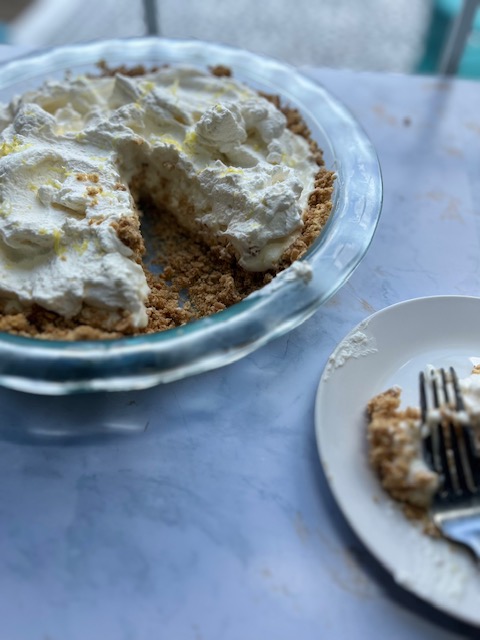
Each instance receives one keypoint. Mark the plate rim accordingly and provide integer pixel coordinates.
(341, 503)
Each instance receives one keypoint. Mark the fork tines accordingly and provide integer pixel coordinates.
(448, 444)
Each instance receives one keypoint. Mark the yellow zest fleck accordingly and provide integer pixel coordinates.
(230, 170)
(80, 135)
(146, 88)
(62, 170)
(53, 183)
(5, 208)
(80, 248)
(288, 160)
(32, 187)
(190, 139)
(57, 243)
(6, 148)
(171, 140)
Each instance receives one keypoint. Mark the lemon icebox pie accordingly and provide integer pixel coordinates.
(226, 182)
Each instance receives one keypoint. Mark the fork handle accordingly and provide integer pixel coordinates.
(465, 530)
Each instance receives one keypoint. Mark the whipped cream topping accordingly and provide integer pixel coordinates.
(75, 153)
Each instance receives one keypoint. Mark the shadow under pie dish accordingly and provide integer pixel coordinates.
(250, 277)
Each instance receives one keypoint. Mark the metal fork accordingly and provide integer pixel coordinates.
(450, 451)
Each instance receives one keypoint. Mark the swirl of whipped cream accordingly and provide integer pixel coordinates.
(211, 150)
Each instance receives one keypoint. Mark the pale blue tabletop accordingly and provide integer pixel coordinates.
(205, 514)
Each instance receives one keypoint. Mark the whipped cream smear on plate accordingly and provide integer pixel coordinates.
(76, 156)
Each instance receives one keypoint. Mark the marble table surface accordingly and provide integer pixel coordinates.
(200, 511)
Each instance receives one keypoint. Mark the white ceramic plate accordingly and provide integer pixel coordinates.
(390, 348)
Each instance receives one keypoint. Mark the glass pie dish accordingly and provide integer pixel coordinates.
(58, 367)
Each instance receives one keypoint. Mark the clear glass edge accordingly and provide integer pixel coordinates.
(27, 363)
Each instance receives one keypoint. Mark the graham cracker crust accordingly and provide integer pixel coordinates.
(391, 434)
